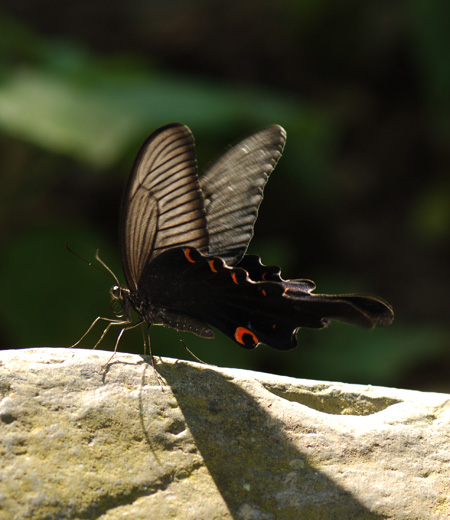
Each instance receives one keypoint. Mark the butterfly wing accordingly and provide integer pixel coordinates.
(233, 187)
(163, 205)
(189, 284)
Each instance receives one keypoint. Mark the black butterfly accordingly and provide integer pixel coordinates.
(183, 240)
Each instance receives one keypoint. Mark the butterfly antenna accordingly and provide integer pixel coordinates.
(108, 271)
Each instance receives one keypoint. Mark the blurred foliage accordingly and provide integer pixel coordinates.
(359, 202)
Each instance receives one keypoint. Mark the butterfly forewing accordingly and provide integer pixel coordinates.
(163, 205)
(233, 189)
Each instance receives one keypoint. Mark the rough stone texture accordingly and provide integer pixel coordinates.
(79, 439)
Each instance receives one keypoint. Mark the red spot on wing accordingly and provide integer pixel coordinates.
(211, 266)
(187, 254)
(241, 332)
(264, 292)
(234, 277)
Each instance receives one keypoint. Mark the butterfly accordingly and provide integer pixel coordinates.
(183, 242)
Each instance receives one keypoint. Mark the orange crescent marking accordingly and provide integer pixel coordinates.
(286, 290)
(263, 276)
(264, 292)
(211, 266)
(187, 254)
(239, 333)
(234, 277)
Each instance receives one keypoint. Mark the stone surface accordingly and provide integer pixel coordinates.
(79, 439)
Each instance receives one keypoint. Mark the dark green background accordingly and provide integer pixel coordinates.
(359, 202)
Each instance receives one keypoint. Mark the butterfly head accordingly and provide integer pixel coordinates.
(119, 300)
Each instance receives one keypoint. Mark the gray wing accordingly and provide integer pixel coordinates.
(233, 189)
(162, 206)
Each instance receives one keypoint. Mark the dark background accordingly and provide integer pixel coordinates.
(359, 202)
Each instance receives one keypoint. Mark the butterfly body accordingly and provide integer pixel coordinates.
(183, 241)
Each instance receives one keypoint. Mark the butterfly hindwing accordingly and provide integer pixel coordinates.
(249, 309)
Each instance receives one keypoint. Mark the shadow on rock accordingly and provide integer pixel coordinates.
(256, 468)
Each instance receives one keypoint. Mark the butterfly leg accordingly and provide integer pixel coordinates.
(113, 321)
(189, 351)
(148, 343)
(119, 336)
(111, 324)
(146, 339)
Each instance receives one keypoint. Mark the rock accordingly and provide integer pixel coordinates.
(84, 438)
